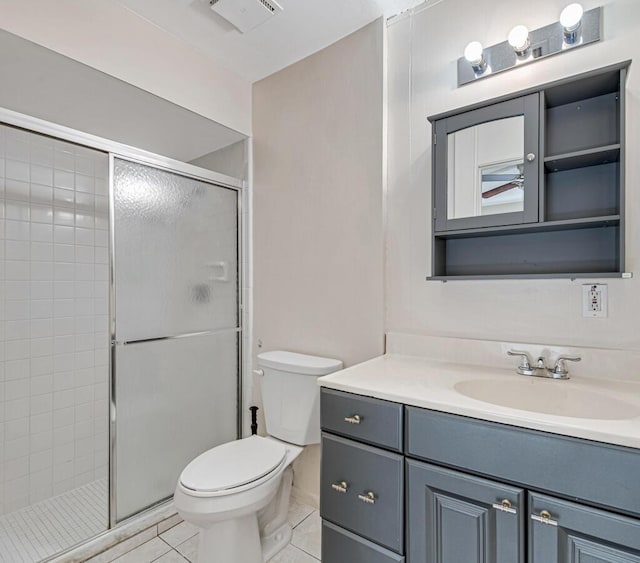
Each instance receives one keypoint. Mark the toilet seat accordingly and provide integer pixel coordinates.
(233, 467)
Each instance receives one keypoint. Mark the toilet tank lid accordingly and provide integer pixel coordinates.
(298, 363)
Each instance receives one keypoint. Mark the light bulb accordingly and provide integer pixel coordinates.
(571, 22)
(473, 52)
(519, 39)
(571, 16)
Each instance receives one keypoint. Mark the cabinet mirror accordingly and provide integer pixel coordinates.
(486, 169)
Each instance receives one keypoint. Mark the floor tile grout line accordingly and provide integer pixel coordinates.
(172, 549)
(305, 518)
(165, 541)
(305, 551)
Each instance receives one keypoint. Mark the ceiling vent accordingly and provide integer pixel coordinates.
(246, 14)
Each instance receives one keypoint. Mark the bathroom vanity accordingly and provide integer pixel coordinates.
(415, 468)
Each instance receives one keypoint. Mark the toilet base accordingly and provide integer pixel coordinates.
(276, 541)
(231, 540)
(275, 529)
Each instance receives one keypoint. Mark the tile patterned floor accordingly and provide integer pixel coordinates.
(42, 529)
(180, 543)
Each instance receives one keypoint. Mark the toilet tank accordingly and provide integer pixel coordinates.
(291, 395)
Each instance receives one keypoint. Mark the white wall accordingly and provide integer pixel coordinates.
(107, 36)
(318, 218)
(423, 48)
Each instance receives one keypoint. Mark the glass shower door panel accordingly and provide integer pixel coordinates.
(174, 399)
(176, 253)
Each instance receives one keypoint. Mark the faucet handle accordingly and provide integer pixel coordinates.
(560, 371)
(525, 362)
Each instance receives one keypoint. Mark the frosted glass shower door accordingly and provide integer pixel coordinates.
(176, 327)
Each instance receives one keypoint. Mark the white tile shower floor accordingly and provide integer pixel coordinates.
(180, 543)
(45, 528)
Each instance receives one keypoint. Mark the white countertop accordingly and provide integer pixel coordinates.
(432, 384)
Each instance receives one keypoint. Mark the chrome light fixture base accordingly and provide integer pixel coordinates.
(544, 42)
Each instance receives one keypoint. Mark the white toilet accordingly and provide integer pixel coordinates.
(238, 493)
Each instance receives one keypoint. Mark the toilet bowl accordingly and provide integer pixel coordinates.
(226, 502)
(238, 493)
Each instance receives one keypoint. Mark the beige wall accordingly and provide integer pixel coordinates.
(422, 52)
(107, 36)
(318, 219)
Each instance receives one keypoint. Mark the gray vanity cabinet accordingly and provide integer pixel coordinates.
(565, 532)
(434, 487)
(456, 518)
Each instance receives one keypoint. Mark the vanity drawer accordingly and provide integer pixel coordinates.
(362, 490)
(341, 546)
(363, 418)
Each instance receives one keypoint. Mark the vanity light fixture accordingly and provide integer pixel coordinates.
(474, 53)
(520, 41)
(575, 29)
(571, 22)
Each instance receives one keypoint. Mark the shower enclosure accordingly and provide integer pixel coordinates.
(120, 341)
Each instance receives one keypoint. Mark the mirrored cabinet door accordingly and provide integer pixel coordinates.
(486, 166)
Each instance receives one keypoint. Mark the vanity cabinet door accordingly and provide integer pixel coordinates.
(565, 532)
(458, 518)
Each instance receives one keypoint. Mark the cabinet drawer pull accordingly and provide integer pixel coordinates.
(544, 518)
(355, 419)
(368, 498)
(505, 506)
(340, 487)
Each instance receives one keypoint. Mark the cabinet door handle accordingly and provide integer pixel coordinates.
(544, 518)
(505, 506)
(340, 487)
(354, 419)
(368, 497)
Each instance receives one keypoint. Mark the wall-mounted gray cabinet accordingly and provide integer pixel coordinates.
(461, 490)
(532, 185)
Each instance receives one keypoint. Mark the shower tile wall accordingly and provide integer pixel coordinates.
(53, 317)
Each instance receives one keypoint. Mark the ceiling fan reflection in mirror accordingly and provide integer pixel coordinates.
(512, 180)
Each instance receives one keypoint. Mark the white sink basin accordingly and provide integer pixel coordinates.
(559, 398)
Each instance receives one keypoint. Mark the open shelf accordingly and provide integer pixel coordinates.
(567, 250)
(570, 276)
(583, 158)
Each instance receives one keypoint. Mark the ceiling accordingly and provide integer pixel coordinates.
(302, 28)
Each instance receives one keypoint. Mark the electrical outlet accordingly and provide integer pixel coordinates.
(594, 300)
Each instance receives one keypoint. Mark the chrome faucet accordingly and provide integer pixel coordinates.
(559, 371)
